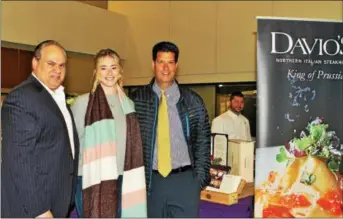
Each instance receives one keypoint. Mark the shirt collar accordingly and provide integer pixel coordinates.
(233, 114)
(172, 90)
(59, 90)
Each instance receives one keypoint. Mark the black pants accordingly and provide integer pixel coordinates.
(177, 195)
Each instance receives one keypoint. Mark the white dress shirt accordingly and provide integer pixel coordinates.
(235, 125)
(59, 96)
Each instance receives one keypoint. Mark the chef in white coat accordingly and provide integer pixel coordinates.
(232, 122)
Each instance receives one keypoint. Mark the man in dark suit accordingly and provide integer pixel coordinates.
(40, 147)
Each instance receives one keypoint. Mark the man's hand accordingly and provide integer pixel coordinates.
(47, 214)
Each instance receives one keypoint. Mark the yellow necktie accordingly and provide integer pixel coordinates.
(164, 157)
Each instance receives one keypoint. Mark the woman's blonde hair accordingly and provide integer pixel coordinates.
(104, 53)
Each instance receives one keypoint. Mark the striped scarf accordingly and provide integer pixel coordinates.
(99, 166)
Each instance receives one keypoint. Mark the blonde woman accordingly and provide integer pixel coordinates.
(111, 180)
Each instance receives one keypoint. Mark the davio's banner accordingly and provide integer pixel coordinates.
(300, 122)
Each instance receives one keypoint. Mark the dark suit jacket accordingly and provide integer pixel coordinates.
(38, 171)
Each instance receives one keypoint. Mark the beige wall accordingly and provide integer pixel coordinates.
(82, 29)
(79, 73)
(98, 3)
(216, 38)
(79, 69)
(77, 26)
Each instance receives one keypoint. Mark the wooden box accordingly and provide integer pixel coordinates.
(240, 157)
(219, 197)
(248, 190)
(222, 197)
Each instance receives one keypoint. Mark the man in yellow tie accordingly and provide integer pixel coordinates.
(176, 139)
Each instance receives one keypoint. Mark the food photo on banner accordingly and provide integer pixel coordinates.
(300, 123)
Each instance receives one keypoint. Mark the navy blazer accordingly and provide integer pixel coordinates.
(38, 171)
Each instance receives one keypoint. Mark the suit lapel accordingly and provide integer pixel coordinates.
(52, 105)
(76, 139)
(48, 99)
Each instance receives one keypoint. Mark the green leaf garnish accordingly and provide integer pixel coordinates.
(316, 140)
(307, 178)
(333, 165)
(317, 132)
(303, 143)
(282, 156)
